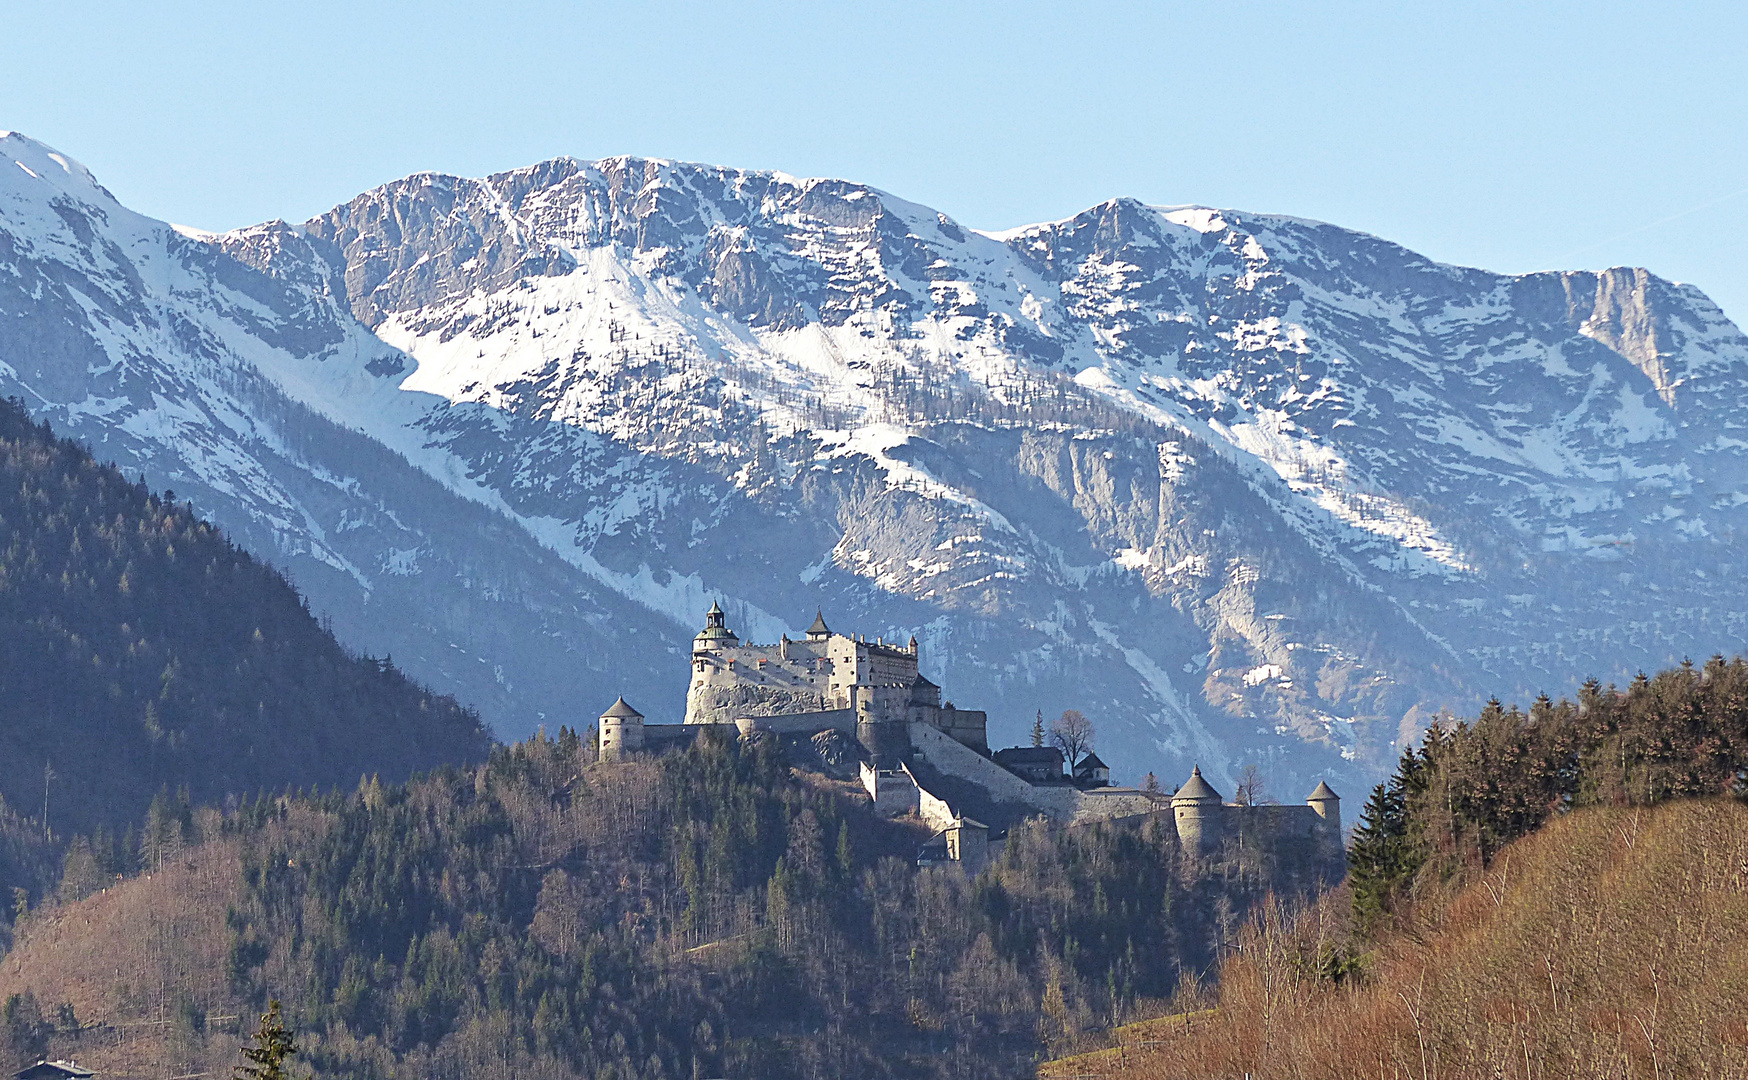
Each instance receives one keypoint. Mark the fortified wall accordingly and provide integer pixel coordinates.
(1206, 824)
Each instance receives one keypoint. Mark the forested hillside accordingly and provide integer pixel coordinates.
(142, 653)
(536, 917)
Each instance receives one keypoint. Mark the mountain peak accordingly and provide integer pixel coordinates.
(46, 165)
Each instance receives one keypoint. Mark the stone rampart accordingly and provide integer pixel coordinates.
(805, 723)
(955, 759)
(1108, 804)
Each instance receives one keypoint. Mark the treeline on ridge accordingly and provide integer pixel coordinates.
(1473, 787)
(1558, 891)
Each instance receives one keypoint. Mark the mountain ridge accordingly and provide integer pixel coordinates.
(1248, 487)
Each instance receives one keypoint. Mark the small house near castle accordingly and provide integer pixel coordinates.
(855, 708)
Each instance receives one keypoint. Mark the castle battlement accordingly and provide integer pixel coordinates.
(1205, 821)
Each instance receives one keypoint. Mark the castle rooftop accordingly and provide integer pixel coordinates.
(621, 710)
(1196, 789)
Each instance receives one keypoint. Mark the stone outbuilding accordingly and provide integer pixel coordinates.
(1039, 764)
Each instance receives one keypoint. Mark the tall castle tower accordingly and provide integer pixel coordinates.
(621, 731)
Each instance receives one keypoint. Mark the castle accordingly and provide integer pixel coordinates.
(858, 709)
(867, 688)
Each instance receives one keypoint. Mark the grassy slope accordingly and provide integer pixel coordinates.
(1611, 943)
(117, 956)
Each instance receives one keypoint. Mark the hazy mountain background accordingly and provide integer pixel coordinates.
(1243, 488)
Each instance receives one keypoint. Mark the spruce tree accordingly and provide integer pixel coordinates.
(1038, 729)
(1384, 855)
(272, 1046)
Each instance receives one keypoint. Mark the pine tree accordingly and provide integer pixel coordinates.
(272, 1046)
(1038, 729)
(1384, 856)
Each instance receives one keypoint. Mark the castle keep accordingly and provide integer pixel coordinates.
(867, 688)
(858, 709)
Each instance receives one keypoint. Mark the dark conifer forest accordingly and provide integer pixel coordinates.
(142, 653)
(544, 916)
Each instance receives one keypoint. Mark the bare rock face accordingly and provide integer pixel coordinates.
(721, 704)
(835, 748)
(1242, 488)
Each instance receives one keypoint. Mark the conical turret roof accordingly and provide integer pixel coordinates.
(619, 710)
(819, 626)
(1196, 788)
(1324, 793)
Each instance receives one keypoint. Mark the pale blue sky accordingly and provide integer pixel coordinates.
(1511, 136)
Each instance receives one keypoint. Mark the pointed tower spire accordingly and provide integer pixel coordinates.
(819, 631)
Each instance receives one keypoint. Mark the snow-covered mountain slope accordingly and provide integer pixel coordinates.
(169, 356)
(1240, 487)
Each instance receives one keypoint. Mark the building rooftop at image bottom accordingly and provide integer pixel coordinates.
(55, 1070)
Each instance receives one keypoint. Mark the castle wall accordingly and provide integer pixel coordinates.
(805, 723)
(955, 759)
(894, 791)
(732, 680)
(1270, 824)
(1299, 833)
(935, 812)
(1108, 804)
(966, 726)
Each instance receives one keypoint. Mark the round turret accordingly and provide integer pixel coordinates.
(1195, 809)
(621, 731)
(1327, 803)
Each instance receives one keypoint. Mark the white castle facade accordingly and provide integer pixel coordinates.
(845, 704)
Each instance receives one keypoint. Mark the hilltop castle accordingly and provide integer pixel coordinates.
(826, 680)
(859, 709)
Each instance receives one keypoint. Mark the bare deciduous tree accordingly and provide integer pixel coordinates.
(1252, 788)
(1072, 733)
